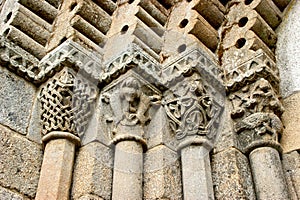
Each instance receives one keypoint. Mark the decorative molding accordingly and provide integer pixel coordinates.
(260, 66)
(193, 60)
(133, 58)
(18, 60)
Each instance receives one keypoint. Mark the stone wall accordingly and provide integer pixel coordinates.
(140, 99)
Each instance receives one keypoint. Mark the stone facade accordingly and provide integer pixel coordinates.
(149, 99)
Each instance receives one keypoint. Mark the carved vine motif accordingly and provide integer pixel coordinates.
(190, 108)
(257, 97)
(66, 103)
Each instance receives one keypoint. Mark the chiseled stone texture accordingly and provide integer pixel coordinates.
(6, 194)
(268, 174)
(92, 175)
(20, 162)
(232, 176)
(16, 99)
(291, 119)
(288, 51)
(291, 164)
(226, 137)
(162, 178)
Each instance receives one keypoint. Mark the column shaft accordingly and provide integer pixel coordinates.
(128, 169)
(56, 172)
(268, 175)
(196, 173)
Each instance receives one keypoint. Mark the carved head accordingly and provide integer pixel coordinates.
(130, 89)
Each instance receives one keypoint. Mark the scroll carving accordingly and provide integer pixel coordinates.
(66, 103)
(191, 109)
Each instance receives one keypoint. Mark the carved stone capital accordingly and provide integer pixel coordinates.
(66, 103)
(259, 130)
(192, 110)
(125, 105)
(256, 97)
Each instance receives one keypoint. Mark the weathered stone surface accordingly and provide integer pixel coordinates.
(226, 138)
(291, 119)
(232, 176)
(291, 164)
(162, 176)
(267, 174)
(56, 172)
(288, 51)
(92, 178)
(89, 197)
(196, 173)
(128, 171)
(6, 194)
(20, 162)
(16, 100)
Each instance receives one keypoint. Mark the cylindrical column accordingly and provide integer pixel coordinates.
(268, 175)
(196, 173)
(56, 172)
(128, 171)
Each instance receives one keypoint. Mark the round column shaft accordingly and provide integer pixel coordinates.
(268, 175)
(128, 171)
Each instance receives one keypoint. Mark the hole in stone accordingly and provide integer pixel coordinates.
(8, 17)
(73, 5)
(63, 40)
(188, 0)
(5, 33)
(124, 29)
(240, 43)
(130, 1)
(247, 2)
(181, 48)
(183, 23)
(243, 21)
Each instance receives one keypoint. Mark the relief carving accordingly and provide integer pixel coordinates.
(257, 97)
(256, 108)
(191, 109)
(129, 102)
(66, 103)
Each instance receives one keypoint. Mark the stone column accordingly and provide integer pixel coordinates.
(263, 148)
(128, 171)
(193, 113)
(268, 174)
(61, 99)
(129, 105)
(56, 172)
(196, 172)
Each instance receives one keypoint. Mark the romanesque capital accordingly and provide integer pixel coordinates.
(256, 112)
(66, 103)
(193, 112)
(128, 102)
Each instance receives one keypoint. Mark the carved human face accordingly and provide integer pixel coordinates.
(130, 94)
